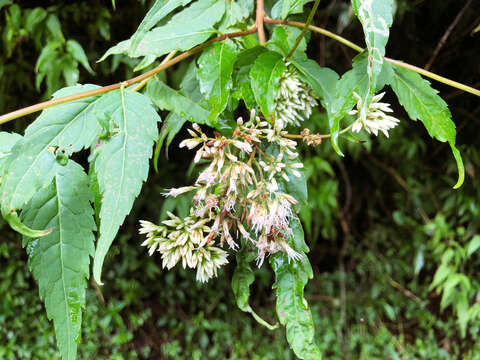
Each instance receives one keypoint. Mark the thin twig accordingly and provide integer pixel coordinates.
(46, 104)
(259, 22)
(445, 36)
(145, 81)
(354, 46)
(305, 28)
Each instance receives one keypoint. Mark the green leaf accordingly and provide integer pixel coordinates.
(241, 280)
(473, 245)
(157, 12)
(215, 67)
(76, 50)
(283, 40)
(323, 81)
(7, 141)
(354, 80)
(60, 261)
(423, 102)
(186, 29)
(236, 12)
(376, 18)
(265, 77)
(171, 126)
(167, 98)
(122, 163)
(477, 29)
(292, 308)
(68, 127)
(283, 8)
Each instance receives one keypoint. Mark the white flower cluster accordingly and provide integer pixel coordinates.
(294, 101)
(236, 196)
(376, 120)
(184, 239)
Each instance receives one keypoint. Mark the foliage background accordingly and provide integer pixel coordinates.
(379, 221)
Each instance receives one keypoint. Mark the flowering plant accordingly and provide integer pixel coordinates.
(250, 186)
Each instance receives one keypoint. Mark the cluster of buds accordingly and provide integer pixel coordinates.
(236, 196)
(376, 118)
(294, 101)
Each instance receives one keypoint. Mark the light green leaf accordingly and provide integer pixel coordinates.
(122, 163)
(215, 67)
(157, 12)
(68, 127)
(292, 308)
(473, 245)
(186, 29)
(423, 102)
(283, 8)
(265, 77)
(60, 261)
(477, 29)
(76, 50)
(167, 98)
(241, 280)
(376, 18)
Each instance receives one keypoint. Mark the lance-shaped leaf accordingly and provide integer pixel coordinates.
(157, 12)
(265, 77)
(376, 18)
(186, 29)
(167, 98)
(241, 280)
(171, 126)
(236, 12)
(423, 102)
(283, 8)
(122, 162)
(60, 261)
(215, 67)
(292, 308)
(32, 164)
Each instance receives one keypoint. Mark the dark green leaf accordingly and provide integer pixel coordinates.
(215, 67)
(283, 8)
(171, 126)
(76, 50)
(265, 76)
(122, 163)
(283, 40)
(292, 308)
(60, 261)
(422, 102)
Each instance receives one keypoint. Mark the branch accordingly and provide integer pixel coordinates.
(46, 104)
(259, 22)
(355, 47)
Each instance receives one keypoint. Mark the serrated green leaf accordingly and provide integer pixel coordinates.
(376, 18)
(354, 80)
(76, 50)
(186, 29)
(69, 127)
(265, 77)
(292, 308)
(323, 81)
(283, 39)
(60, 261)
(423, 102)
(157, 12)
(283, 8)
(122, 163)
(215, 67)
(241, 280)
(167, 98)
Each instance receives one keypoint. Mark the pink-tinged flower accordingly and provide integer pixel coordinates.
(178, 191)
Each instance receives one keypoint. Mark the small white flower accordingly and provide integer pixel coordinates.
(178, 191)
(376, 120)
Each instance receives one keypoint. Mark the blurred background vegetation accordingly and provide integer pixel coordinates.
(394, 248)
